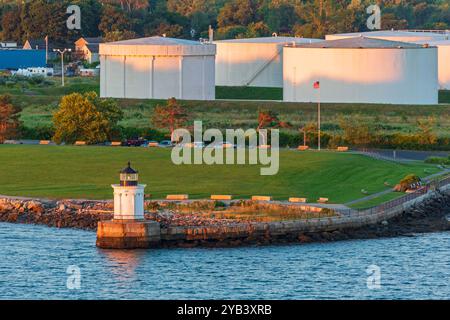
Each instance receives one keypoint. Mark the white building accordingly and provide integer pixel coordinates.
(439, 38)
(361, 70)
(88, 49)
(255, 62)
(157, 68)
(394, 35)
(443, 61)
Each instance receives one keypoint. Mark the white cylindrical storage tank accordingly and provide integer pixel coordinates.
(361, 70)
(443, 61)
(393, 35)
(157, 68)
(255, 62)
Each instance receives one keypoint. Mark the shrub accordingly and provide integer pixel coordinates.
(438, 160)
(37, 133)
(407, 183)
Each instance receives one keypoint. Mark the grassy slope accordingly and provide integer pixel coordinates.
(40, 102)
(87, 172)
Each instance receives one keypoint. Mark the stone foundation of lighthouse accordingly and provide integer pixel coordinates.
(123, 234)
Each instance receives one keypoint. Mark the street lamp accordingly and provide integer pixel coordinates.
(62, 52)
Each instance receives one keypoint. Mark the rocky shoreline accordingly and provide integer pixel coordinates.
(428, 216)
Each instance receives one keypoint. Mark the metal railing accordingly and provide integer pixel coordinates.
(432, 185)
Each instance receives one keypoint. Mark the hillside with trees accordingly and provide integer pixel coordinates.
(124, 19)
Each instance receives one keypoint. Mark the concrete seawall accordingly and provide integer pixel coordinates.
(86, 214)
(287, 231)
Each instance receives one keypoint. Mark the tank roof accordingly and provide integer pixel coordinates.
(361, 43)
(434, 42)
(269, 40)
(394, 33)
(156, 41)
(157, 46)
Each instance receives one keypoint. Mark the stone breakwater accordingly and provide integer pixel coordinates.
(187, 229)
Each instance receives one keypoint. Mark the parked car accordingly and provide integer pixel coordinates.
(165, 144)
(135, 142)
(197, 144)
(153, 144)
(223, 145)
(192, 145)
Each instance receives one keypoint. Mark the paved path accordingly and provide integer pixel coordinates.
(402, 155)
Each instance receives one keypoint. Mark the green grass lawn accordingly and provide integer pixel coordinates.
(88, 172)
(444, 96)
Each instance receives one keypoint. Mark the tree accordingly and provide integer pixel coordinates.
(357, 131)
(85, 117)
(258, 29)
(111, 36)
(114, 20)
(269, 119)
(129, 5)
(11, 25)
(91, 14)
(238, 12)
(171, 116)
(279, 17)
(309, 132)
(170, 30)
(9, 118)
(426, 135)
(41, 18)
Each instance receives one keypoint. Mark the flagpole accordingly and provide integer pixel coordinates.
(318, 113)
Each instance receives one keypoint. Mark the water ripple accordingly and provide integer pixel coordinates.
(34, 260)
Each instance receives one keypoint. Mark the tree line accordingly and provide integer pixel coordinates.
(190, 19)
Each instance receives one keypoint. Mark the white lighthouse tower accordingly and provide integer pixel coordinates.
(128, 229)
(129, 196)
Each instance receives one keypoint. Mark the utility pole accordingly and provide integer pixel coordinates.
(62, 52)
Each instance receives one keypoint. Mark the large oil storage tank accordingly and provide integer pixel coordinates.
(157, 68)
(394, 35)
(443, 61)
(255, 62)
(361, 70)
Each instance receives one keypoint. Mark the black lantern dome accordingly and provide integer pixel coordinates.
(129, 176)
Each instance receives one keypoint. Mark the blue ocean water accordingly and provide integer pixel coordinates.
(34, 261)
